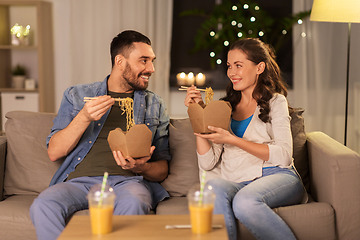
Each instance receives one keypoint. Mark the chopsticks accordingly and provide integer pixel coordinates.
(187, 226)
(183, 88)
(86, 99)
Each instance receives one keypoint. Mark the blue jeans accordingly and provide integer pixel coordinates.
(53, 208)
(251, 202)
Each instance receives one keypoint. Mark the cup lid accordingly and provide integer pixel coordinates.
(95, 191)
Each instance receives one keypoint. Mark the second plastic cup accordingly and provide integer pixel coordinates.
(101, 207)
(201, 209)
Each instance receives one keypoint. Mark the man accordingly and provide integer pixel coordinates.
(80, 135)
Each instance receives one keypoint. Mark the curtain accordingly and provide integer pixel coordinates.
(320, 55)
(83, 30)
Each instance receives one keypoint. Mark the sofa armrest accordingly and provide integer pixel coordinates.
(335, 179)
(3, 143)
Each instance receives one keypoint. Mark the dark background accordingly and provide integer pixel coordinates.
(185, 29)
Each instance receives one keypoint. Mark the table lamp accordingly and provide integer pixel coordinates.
(346, 11)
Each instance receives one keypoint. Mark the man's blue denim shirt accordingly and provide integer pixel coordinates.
(149, 109)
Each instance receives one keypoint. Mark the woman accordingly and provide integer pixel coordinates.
(257, 171)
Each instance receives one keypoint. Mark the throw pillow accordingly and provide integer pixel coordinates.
(299, 145)
(28, 168)
(183, 167)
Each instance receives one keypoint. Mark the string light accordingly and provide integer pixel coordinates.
(16, 30)
(212, 54)
(252, 19)
(212, 33)
(234, 8)
(226, 43)
(261, 33)
(300, 21)
(257, 8)
(303, 34)
(246, 6)
(218, 61)
(239, 25)
(233, 22)
(284, 32)
(239, 34)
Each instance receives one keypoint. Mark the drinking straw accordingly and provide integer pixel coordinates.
(103, 188)
(202, 184)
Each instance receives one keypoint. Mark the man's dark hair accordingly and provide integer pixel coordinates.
(123, 42)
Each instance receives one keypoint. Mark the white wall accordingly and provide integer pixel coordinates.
(62, 53)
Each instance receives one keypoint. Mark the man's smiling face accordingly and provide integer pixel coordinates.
(139, 66)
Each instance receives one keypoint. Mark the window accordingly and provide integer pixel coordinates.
(185, 29)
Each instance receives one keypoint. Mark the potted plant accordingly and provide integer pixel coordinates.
(18, 76)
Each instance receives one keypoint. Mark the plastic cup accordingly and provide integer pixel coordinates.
(101, 207)
(201, 207)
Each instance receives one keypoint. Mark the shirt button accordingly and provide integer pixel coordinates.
(99, 124)
(148, 124)
(142, 105)
(79, 159)
(90, 141)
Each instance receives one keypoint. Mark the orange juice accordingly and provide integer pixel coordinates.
(201, 217)
(101, 218)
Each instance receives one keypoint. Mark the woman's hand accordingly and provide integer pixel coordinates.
(219, 136)
(192, 96)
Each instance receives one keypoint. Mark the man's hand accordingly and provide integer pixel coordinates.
(64, 141)
(93, 110)
(137, 165)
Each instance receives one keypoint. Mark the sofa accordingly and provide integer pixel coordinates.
(330, 173)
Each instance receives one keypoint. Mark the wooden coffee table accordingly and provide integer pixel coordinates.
(142, 227)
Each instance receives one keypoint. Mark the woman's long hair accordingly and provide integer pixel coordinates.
(270, 80)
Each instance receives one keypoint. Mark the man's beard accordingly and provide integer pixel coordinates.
(133, 80)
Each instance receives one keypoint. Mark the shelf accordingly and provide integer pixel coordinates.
(37, 57)
(14, 47)
(17, 90)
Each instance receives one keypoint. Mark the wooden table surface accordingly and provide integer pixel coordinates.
(140, 227)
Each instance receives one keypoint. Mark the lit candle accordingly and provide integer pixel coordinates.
(181, 79)
(200, 79)
(190, 78)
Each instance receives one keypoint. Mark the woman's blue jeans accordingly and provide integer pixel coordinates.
(251, 202)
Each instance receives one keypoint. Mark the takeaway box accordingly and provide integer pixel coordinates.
(135, 143)
(216, 113)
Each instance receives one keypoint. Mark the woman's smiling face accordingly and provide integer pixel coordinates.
(241, 71)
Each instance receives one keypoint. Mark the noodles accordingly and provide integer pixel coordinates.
(126, 105)
(209, 94)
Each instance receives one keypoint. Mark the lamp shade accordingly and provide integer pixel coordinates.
(336, 11)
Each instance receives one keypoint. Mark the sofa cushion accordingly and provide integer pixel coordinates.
(173, 206)
(300, 156)
(26, 134)
(183, 167)
(314, 220)
(307, 221)
(15, 222)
